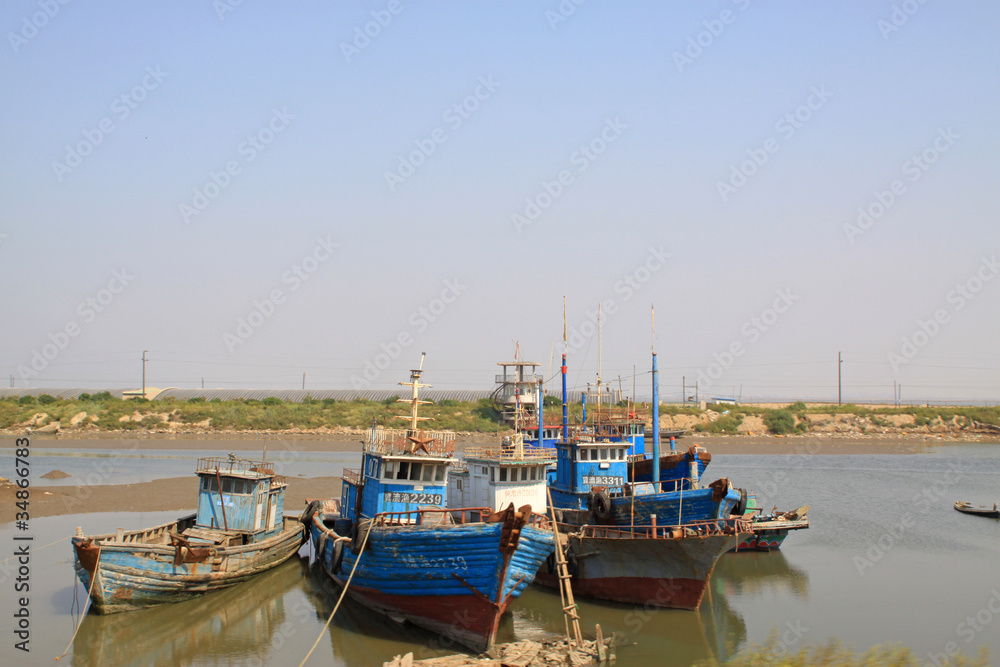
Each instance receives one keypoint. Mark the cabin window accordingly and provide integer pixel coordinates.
(439, 473)
(237, 486)
(503, 474)
(604, 453)
(583, 454)
(404, 470)
(415, 467)
(428, 475)
(390, 469)
(484, 469)
(458, 484)
(209, 484)
(534, 472)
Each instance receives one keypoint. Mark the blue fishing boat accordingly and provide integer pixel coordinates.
(408, 555)
(238, 531)
(770, 530)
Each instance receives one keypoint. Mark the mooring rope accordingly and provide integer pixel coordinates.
(347, 585)
(39, 548)
(93, 578)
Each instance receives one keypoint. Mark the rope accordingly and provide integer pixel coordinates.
(339, 600)
(97, 566)
(40, 548)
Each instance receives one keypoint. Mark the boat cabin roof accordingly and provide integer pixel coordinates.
(234, 467)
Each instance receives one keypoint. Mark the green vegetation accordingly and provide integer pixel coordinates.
(271, 413)
(834, 654)
(780, 422)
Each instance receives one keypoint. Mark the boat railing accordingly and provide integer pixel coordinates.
(352, 476)
(407, 441)
(730, 526)
(645, 488)
(433, 516)
(235, 466)
(511, 453)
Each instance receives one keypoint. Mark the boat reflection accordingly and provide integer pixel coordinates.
(750, 573)
(237, 625)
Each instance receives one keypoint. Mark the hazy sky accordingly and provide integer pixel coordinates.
(253, 190)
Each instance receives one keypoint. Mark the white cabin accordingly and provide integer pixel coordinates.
(497, 477)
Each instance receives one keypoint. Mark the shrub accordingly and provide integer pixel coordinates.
(724, 424)
(327, 402)
(102, 396)
(196, 399)
(797, 406)
(392, 400)
(83, 397)
(448, 403)
(780, 422)
(150, 421)
(271, 400)
(26, 400)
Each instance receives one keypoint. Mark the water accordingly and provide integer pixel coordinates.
(886, 560)
(132, 466)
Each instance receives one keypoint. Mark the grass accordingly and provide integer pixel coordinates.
(773, 653)
(474, 416)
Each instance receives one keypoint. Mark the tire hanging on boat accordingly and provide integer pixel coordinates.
(358, 533)
(741, 504)
(599, 504)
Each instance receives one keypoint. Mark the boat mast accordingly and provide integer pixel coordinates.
(565, 428)
(656, 402)
(414, 401)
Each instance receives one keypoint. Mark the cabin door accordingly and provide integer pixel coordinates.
(260, 511)
(272, 510)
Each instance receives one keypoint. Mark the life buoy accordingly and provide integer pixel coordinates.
(741, 504)
(599, 505)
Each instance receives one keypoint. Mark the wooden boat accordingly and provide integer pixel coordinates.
(967, 508)
(453, 571)
(238, 531)
(770, 530)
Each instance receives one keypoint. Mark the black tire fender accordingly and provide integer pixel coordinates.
(741, 504)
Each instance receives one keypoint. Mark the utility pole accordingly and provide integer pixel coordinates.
(684, 398)
(303, 379)
(203, 383)
(839, 386)
(144, 373)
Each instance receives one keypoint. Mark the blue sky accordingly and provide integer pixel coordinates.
(281, 193)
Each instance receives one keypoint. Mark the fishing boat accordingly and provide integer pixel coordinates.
(770, 530)
(651, 565)
(967, 508)
(397, 547)
(238, 531)
(496, 477)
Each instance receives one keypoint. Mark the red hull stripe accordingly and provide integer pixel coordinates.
(673, 593)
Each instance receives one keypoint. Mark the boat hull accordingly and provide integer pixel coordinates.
(131, 575)
(662, 572)
(454, 580)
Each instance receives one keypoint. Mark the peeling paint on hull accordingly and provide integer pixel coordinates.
(669, 573)
(136, 575)
(417, 572)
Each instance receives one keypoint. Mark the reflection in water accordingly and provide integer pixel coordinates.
(749, 573)
(238, 623)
